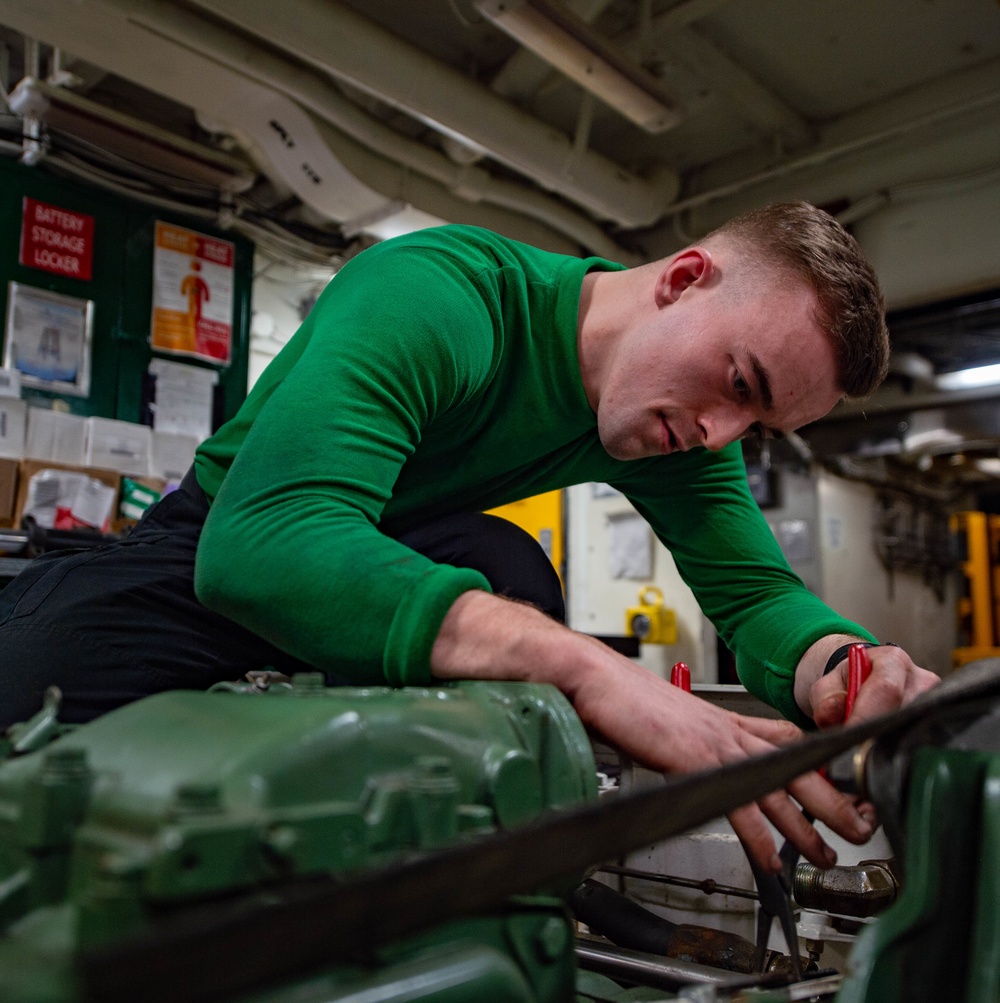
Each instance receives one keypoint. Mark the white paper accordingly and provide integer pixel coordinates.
(630, 546)
(88, 500)
(184, 397)
(172, 454)
(92, 502)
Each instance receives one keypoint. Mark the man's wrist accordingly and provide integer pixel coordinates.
(811, 666)
(841, 653)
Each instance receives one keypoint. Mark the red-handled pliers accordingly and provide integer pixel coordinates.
(859, 668)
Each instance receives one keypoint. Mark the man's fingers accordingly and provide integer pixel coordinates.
(894, 681)
(749, 825)
(788, 819)
(883, 691)
(771, 730)
(829, 708)
(840, 812)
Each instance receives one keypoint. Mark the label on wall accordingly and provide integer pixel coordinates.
(192, 294)
(57, 240)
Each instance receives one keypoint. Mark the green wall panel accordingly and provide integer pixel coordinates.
(121, 287)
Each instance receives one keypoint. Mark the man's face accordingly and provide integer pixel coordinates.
(710, 368)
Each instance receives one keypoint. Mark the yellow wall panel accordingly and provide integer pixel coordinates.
(542, 517)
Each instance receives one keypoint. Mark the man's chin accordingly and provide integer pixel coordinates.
(630, 449)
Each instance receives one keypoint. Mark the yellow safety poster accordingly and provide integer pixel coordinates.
(192, 294)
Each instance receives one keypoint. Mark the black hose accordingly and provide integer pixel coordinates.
(621, 920)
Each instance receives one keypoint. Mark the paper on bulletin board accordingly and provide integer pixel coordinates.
(630, 546)
(192, 294)
(184, 398)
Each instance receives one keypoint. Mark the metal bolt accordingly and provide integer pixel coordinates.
(281, 839)
(434, 776)
(552, 939)
(65, 755)
(307, 683)
(197, 799)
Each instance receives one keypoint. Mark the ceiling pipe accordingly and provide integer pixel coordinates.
(538, 219)
(101, 33)
(524, 73)
(918, 110)
(568, 43)
(332, 37)
(315, 93)
(98, 33)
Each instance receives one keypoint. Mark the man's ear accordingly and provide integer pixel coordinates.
(692, 266)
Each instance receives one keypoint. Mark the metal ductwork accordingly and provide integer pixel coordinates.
(332, 37)
(305, 132)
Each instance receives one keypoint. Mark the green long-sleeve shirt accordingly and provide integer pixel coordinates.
(437, 373)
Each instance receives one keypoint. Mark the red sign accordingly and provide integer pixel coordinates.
(57, 240)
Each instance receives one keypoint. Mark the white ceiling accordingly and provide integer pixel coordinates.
(836, 101)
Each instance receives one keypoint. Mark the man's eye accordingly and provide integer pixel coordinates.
(741, 386)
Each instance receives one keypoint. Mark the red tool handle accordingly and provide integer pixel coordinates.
(680, 675)
(859, 667)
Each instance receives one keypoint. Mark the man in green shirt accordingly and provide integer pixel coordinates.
(450, 371)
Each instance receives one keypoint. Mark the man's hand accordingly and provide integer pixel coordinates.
(894, 681)
(658, 725)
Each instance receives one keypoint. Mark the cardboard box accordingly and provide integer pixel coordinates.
(8, 491)
(119, 445)
(13, 419)
(55, 436)
(27, 469)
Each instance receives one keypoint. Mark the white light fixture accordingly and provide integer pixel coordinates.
(966, 379)
(569, 44)
(129, 137)
(988, 465)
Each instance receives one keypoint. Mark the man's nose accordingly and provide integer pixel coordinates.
(720, 428)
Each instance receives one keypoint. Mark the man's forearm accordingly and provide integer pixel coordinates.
(661, 726)
(484, 636)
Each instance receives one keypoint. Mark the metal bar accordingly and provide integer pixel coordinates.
(651, 969)
(707, 885)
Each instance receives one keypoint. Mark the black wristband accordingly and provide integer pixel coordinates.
(841, 653)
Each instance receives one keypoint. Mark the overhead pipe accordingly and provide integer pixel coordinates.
(856, 133)
(542, 220)
(332, 37)
(98, 33)
(101, 33)
(309, 89)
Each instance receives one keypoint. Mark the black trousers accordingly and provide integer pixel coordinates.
(119, 622)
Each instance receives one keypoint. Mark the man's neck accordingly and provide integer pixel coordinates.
(610, 302)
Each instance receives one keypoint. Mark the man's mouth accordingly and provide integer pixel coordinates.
(670, 444)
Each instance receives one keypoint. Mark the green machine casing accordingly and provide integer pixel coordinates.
(186, 797)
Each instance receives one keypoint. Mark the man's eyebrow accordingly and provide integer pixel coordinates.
(763, 380)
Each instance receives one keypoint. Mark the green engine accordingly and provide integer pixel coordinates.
(216, 820)
(188, 797)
